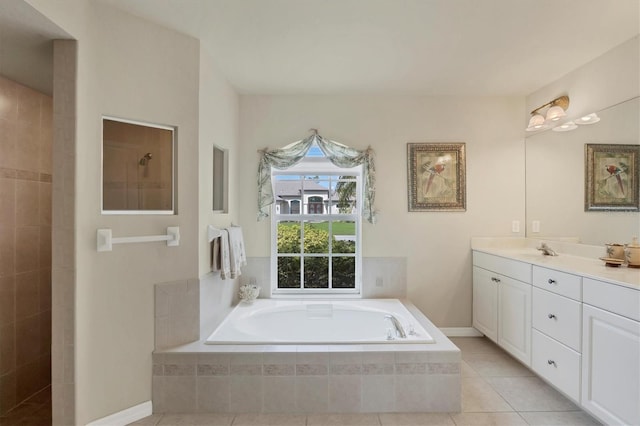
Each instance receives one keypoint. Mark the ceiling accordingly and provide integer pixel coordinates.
(434, 47)
(429, 47)
(26, 50)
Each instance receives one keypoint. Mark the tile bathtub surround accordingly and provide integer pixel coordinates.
(306, 382)
(26, 126)
(177, 313)
(486, 399)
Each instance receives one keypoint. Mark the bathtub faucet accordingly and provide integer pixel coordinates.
(396, 324)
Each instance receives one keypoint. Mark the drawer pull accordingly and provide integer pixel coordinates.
(495, 280)
(551, 281)
(552, 362)
(551, 316)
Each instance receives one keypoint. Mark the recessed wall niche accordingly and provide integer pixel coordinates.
(220, 180)
(137, 167)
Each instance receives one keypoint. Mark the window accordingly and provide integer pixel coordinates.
(315, 205)
(316, 237)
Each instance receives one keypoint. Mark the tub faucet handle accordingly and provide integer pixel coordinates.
(412, 330)
(390, 334)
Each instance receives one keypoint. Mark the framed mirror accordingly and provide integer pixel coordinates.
(220, 180)
(137, 167)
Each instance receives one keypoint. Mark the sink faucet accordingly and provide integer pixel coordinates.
(396, 324)
(546, 250)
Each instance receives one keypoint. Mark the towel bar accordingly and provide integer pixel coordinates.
(106, 240)
(213, 232)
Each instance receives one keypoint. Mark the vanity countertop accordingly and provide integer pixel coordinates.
(573, 264)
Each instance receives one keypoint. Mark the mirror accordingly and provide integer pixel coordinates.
(220, 180)
(137, 167)
(555, 179)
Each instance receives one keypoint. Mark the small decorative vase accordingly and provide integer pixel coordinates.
(633, 254)
(248, 293)
(615, 251)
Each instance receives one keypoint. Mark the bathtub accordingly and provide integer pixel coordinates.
(274, 321)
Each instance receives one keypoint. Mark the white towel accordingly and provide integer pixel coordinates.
(225, 258)
(237, 255)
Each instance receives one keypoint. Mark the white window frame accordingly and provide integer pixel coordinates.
(322, 167)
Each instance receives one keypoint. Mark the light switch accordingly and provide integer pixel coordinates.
(535, 226)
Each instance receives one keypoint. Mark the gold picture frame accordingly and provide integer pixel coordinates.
(436, 174)
(611, 177)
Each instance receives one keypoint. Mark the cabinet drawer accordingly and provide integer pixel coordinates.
(556, 363)
(567, 285)
(510, 268)
(558, 317)
(614, 298)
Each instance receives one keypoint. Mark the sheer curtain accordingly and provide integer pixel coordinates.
(339, 154)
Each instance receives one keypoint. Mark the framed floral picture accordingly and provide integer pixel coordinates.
(611, 177)
(436, 177)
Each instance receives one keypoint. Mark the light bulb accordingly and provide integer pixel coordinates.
(536, 123)
(555, 113)
(588, 119)
(565, 127)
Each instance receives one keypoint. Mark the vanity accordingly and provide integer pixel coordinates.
(574, 321)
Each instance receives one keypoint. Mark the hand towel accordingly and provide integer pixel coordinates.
(237, 255)
(225, 263)
(215, 254)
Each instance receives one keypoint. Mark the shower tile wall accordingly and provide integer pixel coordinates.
(25, 242)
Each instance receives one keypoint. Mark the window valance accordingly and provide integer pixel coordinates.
(339, 154)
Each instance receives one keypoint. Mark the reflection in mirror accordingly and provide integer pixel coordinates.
(220, 180)
(555, 180)
(137, 167)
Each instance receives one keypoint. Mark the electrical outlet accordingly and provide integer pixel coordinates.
(379, 282)
(515, 226)
(535, 226)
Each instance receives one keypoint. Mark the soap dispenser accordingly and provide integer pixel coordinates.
(633, 254)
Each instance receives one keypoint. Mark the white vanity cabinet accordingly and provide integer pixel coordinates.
(573, 321)
(557, 325)
(502, 303)
(611, 352)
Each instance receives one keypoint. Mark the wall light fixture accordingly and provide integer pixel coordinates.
(556, 111)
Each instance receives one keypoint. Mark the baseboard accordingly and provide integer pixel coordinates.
(460, 332)
(126, 416)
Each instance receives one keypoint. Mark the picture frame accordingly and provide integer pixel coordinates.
(436, 175)
(612, 177)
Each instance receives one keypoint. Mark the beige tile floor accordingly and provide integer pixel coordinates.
(496, 390)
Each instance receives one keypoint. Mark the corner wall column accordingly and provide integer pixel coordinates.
(63, 230)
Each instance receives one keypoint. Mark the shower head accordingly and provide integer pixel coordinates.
(143, 161)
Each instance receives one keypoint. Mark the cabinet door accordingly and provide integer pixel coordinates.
(514, 318)
(485, 302)
(610, 366)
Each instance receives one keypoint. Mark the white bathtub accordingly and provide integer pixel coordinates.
(273, 321)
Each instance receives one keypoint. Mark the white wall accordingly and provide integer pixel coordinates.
(555, 161)
(128, 67)
(219, 110)
(601, 83)
(436, 244)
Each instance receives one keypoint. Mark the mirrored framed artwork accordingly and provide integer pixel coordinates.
(137, 167)
(436, 174)
(611, 177)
